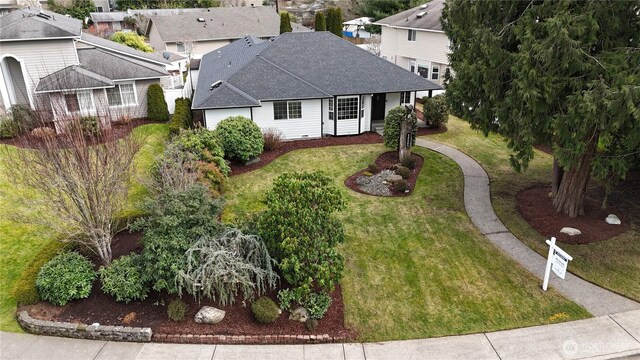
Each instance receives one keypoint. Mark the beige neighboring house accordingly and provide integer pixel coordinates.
(414, 40)
(194, 34)
(48, 64)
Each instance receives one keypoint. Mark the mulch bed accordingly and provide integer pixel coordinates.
(386, 161)
(103, 309)
(268, 156)
(117, 131)
(535, 206)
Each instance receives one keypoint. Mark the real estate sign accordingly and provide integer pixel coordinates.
(557, 261)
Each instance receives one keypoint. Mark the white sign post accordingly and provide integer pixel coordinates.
(557, 261)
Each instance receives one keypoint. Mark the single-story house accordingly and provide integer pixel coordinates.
(197, 33)
(307, 85)
(355, 28)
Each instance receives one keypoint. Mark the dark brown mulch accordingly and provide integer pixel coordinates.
(388, 160)
(535, 206)
(268, 156)
(103, 309)
(117, 131)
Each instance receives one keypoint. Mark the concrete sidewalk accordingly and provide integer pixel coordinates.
(477, 203)
(604, 337)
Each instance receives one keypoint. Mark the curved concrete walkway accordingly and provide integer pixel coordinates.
(614, 332)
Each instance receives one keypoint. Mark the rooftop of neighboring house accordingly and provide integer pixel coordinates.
(306, 65)
(113, 16)
(425, 17)
(220, 23)
(114, 46)
(37, 24)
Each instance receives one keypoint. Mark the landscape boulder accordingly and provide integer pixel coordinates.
(209, 315)
(299, 314)
(393, 177)
(570, 231)
(612, 219)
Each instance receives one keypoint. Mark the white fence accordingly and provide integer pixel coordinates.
(170, 96)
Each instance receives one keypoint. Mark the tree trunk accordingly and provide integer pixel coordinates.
(569, 197)
(558, 172)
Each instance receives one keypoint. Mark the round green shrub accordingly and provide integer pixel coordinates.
(66, 277)
(90, 125)
(265, 310)
(401, 185)
(157, 109)
(124, 279)
(204, 145)
(177, 310)
(409, 162)
(240, 138)
(24, 290)
(392, 126)
(403, 171)
(372, 168)
(435, 110)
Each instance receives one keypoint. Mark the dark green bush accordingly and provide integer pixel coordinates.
(24, 290)
(403, 171)
(176, 220)
(409, 162)
(177, 310)
(124, 279)
(373, 168)
(401, 185)
(317, 304)
(182, 118)
(157, 109)
(204, 145)
(209, 175)
(8, 127)
(90, 125)
(240, 138)
(265, 310)
(435, 110)
(392, 126)
(25, 118)
(66, 277)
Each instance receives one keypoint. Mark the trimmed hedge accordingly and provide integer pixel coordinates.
(240, 138)
(182, 117)
(435, 110)
(157, 109)
(265, 310)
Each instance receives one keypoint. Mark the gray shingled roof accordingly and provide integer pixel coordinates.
(296, 66)
(410, 19)
(220, 23)
(118, 67)
(113, 16)
(27, 24)
(112, 45)
(72, 77)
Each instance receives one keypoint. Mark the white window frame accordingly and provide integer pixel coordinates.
(406, 94)
(80, 111)
(122, 104)
(424, 66)
(288, 110)
(413, 67)
(338, 107)
(331, 110)
(435, 73)
(412, 35)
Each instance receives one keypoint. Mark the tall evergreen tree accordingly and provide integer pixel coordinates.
(334, 21)
(285, 23)
(321, 24)
(560, 71)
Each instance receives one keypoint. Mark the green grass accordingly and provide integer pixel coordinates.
(415, 266)
(20, 242)
(613, 264)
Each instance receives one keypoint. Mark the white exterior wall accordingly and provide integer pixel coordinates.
(393, 101)
(200, 47)
(366, 120)
(328, 127)
(213, 116)
(307, 127)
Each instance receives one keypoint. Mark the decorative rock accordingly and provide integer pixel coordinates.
(570, 231)
(209, 315)
(253, 161)
(393, 177)
(612, 219)
(300, 314)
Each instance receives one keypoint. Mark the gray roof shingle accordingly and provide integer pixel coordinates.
(409, 18)
(297, 66)
(29, 24)
(112, 45)
(220, 23)
(118, 67)
(72, 77)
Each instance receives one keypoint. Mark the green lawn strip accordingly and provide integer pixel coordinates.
(415, 266)
(20, 242)
(613, 264)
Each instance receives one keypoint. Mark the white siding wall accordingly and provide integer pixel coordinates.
(202, 47)
(307, 127)
(328, 127)
(213, 116)
(366, 120)
(393, 100)
(42, 58)
(429, 45)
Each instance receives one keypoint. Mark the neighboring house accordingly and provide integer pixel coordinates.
(305, 84)
(197, 33)
(7, 6)
(48, 64)
(355, 28)
(414, 40)
(110, 22)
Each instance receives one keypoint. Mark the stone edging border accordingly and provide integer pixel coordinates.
(83, 331)
(140, 334)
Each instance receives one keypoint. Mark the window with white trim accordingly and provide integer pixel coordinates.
(423, 70)
(435, 72)
(411, 35)
(80, 101)
(348, 108)
(405, 97)
(283, 110)
(122, 95)
(180, 47)
(331, 116)
(412, 67)
(362, 109)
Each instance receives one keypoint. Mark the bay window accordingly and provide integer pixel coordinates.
(348, 108)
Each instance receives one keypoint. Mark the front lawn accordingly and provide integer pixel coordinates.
(612, 264)
(415, 266)
(20, 242)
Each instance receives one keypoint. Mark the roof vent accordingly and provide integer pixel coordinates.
(215, 85)
(421, 14)
(43, 16)
(200, 19)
